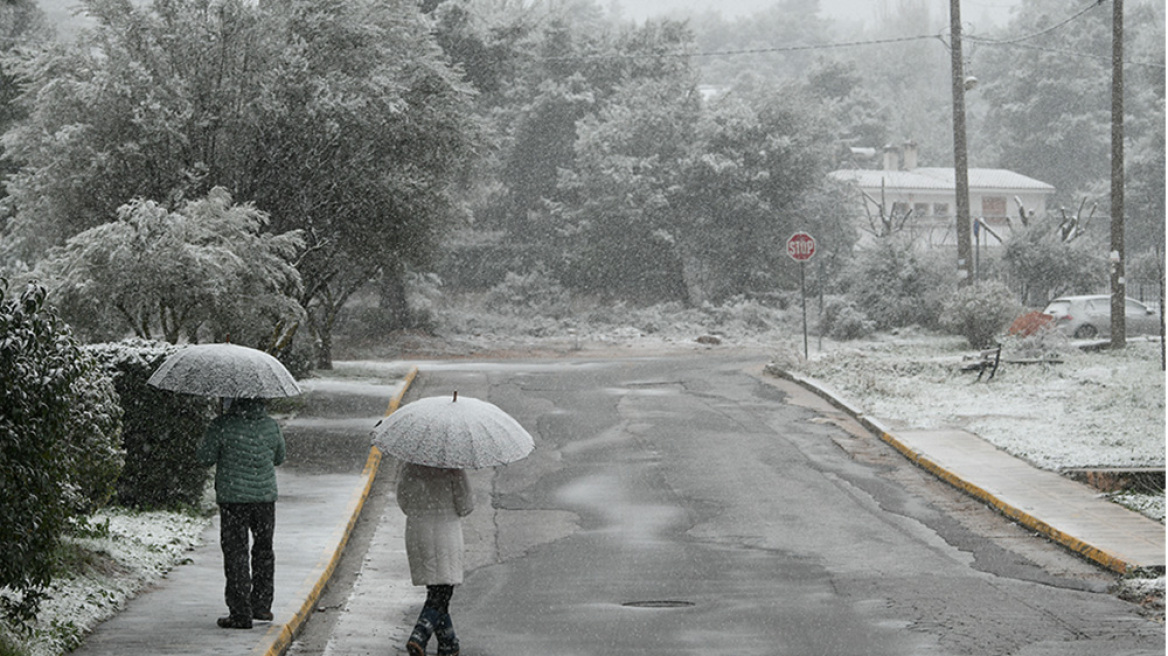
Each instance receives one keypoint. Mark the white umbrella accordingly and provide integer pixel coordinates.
(453, 433)
(227, 370)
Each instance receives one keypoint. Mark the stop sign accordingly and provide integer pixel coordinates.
(801, 246)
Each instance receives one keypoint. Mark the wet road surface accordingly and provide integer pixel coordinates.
(689, 505)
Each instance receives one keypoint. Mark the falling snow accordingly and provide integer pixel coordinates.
(1090, 409)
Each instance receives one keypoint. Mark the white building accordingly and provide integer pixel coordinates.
(890, 193)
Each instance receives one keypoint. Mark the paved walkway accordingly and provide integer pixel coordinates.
(316, 513)
(314, 517)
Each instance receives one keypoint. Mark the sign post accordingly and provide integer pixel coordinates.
(800, 247)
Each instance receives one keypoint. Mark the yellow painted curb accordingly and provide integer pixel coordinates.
(395, 402)
(279, 638)
(1100, 556)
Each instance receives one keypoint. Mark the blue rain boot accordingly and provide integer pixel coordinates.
(444, 631)
(416, 645)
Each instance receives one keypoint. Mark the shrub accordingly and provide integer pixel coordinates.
(161, 429)
(980, 312)
(1046, 267)
(136, 272)
(59, 429)
(93, 451)
(896, 285)
(534, 292)
(843, 321)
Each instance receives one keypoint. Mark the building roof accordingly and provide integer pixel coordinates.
(942, 179)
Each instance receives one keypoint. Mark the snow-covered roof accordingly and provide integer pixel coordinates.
(942, 179)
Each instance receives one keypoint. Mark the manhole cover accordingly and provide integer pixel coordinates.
(662, 603)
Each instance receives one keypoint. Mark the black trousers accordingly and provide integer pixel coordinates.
(438, 597)
(250, 580)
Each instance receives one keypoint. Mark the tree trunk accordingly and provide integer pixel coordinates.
(322, 332)
(695, 275)
(394, 301)
(324, 350)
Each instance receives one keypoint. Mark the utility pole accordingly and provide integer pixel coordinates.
(1118, 283)
(960, 156)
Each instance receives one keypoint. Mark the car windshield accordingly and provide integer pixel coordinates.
(1057, 308)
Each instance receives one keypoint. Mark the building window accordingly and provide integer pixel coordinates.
(899, 208)
(940, 209)
(920, 209)
(993, 206)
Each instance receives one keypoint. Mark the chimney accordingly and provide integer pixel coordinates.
(910, 155)
(891, 158)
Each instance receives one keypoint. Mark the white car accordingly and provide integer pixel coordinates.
(1088, 317)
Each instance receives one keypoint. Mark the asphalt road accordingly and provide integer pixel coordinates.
(691, 504)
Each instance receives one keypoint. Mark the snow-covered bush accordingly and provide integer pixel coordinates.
(208, 267)
(423, 296)
(897, 284)
(162, 429)
(980, 312)
(1045, 263)
(844, 322)
(750, 315)
(534, 292)
(1043, 343)
(59, 429)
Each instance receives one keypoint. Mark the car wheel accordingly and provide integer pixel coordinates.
(1086, 331)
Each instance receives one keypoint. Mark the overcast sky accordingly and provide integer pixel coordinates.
(971, 10)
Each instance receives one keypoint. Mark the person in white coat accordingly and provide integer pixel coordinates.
(434, 500)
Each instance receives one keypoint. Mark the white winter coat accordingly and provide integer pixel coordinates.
(433, 500)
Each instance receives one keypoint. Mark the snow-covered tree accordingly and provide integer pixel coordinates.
(1048, 96)
(335, 117)
(206, 268)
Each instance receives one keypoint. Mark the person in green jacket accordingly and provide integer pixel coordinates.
(245, 445)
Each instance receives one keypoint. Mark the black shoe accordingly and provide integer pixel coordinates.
(234, 623)
(264, 616)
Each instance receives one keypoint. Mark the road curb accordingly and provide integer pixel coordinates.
(1100, 556)
(279, 638)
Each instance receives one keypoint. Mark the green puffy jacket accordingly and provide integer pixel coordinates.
(246, 445)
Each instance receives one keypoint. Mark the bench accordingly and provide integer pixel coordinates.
(986, 360)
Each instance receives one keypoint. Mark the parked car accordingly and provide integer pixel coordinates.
(1088, 317)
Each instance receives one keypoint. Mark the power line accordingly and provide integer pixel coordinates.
(747, 51)
(1013, 42)
(1061, 51)
(1016, 42)
(1052, 28)
(829, 46)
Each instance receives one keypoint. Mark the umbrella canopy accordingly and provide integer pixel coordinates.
(224, 370)
(457, 433)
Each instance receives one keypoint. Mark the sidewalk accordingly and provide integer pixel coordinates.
(314, 517)
(1068, 512)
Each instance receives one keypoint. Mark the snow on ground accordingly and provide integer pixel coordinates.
(1092, 409)
(125, 553)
